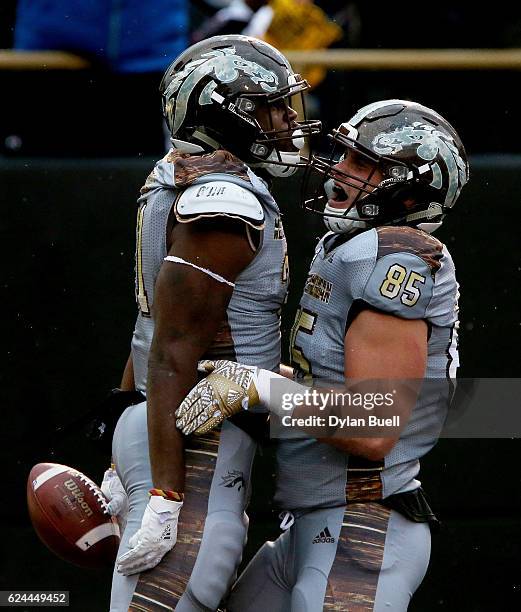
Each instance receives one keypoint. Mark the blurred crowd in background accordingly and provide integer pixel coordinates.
(113, 108)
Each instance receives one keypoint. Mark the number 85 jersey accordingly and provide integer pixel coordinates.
(400, 271)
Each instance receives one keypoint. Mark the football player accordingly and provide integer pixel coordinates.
(380, 302)
(211, 277)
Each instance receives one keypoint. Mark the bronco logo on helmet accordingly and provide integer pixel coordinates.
(431, 143)
(221, 93)
(224, 65)
(421, 162)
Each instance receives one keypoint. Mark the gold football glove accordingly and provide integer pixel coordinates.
(228, 389)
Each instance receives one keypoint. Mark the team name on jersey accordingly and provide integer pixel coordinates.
(319, 288)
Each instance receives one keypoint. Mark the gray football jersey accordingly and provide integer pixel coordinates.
(250, 334)
(397, 270)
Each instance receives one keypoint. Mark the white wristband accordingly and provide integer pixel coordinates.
(160, 504)
(272, 387)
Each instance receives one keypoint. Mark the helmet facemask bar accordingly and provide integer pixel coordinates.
(422, 168)
(283, 147)
(368, 205)
(308, 127)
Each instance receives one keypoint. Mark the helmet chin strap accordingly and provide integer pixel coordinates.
(429, 228)
(433, 210)
(285, 162)
(186, 147)
(336, 223)
(352, 221)
(342, 225)
(202, 136)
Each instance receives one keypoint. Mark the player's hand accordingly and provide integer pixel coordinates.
(228, 388)
(112, 488)
(157, 535)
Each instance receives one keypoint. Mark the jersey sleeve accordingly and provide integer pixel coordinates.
(402, 280)
(219, 198)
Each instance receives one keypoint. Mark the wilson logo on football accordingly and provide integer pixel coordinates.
(78, 495)
(324, 537)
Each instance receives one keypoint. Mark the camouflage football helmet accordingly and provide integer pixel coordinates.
(211, 94)
(419, 154)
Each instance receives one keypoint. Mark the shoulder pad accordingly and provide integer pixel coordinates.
(410, 240)
(219, 198)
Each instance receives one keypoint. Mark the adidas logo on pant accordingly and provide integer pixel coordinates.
(324, 537)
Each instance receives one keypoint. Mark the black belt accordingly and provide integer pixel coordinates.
(414, 506)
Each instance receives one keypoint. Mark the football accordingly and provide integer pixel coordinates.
(68, 512)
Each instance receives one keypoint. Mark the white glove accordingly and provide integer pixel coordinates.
(229, 388)
(157, 535)
(112, 488)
